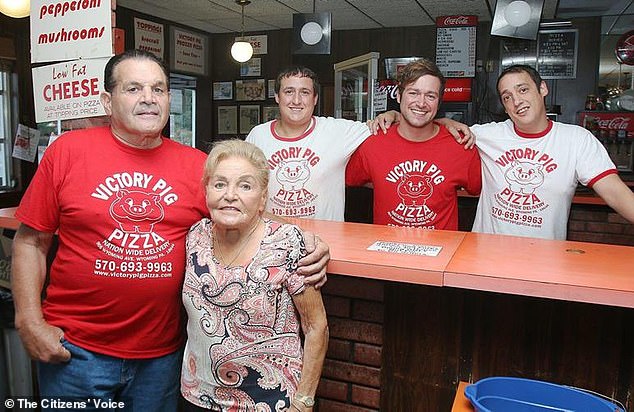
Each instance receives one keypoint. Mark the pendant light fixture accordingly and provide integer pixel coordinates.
(241, 51)
(517, 13)
(517, 18)
(311, 32)
(15, 8)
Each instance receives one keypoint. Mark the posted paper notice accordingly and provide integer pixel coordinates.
(405, 248)
(26, 141)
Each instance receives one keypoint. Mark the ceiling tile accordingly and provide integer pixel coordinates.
(223, 16)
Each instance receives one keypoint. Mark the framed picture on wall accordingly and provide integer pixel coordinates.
(249, 117)
(223, 90)
(252, 67)
(270, 113)
(271, 89)
(250, 89)
(228, 120)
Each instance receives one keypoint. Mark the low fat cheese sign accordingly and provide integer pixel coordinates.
(70, 29)
(68, 90)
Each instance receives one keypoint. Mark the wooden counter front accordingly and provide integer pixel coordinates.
(433, 337)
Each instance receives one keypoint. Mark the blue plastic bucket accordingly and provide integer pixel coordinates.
(504, 394)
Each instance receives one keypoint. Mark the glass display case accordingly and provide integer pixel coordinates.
(354, 87)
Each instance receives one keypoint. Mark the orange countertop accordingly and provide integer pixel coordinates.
(573, 271)
(349, 255)
(7, 220)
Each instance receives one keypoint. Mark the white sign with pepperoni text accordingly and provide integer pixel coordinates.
(70, 29)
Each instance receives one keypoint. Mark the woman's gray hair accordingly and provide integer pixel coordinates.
(237, 148)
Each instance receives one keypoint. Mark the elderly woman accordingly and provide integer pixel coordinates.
(245, 302)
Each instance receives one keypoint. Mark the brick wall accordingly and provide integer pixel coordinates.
(351, 377)
(599, 224)
(587, 223)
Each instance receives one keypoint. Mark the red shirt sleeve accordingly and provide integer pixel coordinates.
(357, 172)
(474, 174)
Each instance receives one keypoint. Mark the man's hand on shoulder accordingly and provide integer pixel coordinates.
(459, 131)
(314, 264)
(383, 121)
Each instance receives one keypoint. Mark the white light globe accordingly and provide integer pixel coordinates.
(517, 13)
(311, 33)
(241, 51)
(15, 8)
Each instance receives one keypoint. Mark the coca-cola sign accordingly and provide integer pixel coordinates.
(390, 87)
(456, 89)
(618, 123)
(454, 21)
(607, 120)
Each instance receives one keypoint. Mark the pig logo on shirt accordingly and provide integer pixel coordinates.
(414, 189)
(136, 211)
(293, 174)
(524, 177)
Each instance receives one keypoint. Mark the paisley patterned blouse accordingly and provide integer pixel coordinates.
(244, 351)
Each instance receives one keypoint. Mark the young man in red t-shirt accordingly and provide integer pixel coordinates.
(416, 168)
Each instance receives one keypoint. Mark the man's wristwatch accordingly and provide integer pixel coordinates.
(308, 401)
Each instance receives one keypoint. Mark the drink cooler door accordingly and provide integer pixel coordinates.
(354, 87)
(615, 130)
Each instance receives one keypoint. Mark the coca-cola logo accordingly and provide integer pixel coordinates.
(616, 123)
(389, 89)
(456, 21)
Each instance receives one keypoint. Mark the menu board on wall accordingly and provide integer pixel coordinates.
(553, 55)
(557, 54)
(456, 45)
